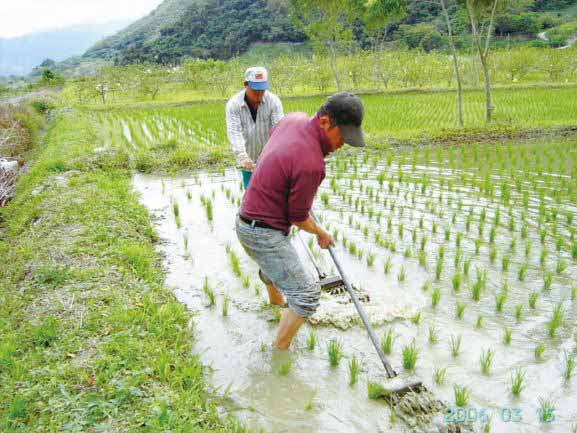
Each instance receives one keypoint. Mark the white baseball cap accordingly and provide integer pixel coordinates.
(257, 78)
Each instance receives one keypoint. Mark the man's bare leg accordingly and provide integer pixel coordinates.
(275, 297)
(289, 325)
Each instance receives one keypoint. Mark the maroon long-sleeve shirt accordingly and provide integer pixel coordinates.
(289, 171)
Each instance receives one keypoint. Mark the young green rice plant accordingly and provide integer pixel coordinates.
(311, 340)
(371, 259)
(211, 297)
(467, 266)
(505, 261)
(479, 323)
(461, 395)
(507, 336)
(547, 280)
(543, 257)
(455, 345)
(513, 245)
(533, 300)
(492, 254)
(402, 275)
(458, 240)
(335, 351)
(477, 246)
(225, 305)
(285, 368)
(528, 246)
(433, 335)
(185, 241)
(522, 272)
(486, 360)
(447, 233)
(234, 264)
(517, 382)
(426, 286)
(546, 411)
(175, 208)
(570, 364)
(410, 356)
(492, 235)
(574, 251)
(457, 280)
(500, 300)
(439, 375)
(387, 342)
(434, 228)
(387, 266)
(460, 311)
(407, 253)
(479, 284)
(438, 269)
(353, 370)
(416, 319)
(518, 313)
(573, 295)
(539, 349)
(435, 297)
(422, 258)
(556, 320)
(561, 266)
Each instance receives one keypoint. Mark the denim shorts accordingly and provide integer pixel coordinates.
(280, 264)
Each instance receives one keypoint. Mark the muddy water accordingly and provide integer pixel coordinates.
(313, 397)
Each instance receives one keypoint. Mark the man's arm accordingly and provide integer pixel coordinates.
(235, 136)
(323, 238)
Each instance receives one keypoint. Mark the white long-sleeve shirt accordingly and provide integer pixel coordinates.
(247, 137)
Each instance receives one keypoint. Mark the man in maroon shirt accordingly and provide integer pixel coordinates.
(281, 193)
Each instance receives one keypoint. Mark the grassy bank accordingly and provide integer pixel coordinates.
(90, 340)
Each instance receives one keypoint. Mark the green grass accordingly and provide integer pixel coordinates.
(108, 360)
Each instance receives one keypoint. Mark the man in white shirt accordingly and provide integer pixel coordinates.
(250, 115)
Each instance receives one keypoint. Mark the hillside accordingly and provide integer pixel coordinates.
(19, 55)
(221, 29)
(143, 30)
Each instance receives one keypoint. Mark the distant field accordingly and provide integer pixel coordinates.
(194, 134)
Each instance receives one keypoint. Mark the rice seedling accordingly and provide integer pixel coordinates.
(311, 340)
(569, 365)
(208, 210)
(539, 349)
(546, 411)
(573, 295)
(547, 280)
(387, 266)
(513, 245)
(517, 379)
(455, 344)
(234, 263)
(447, 233)
(285, 368)
(492, 235)
(225, 305)
(402, 275)
(461, 395)
(375, 390)
(467, 266)
(439, 375)
(416, 319)
(185, 241)
(425, 287)
(518, 313)
(522, 272)
(457, 280)
(460, 311)
(477, 246)
(486, 360)
(479, 284)
(574, 251)
(371, 259)
(500, 300)
(543, 257)
(211, 297)
(387, 342)
(561, 266)
(335, 352)
(528, 246)
(492, 254)
(175, 209)
(353, 370)
(507, 336)
(433, 335)
(435, 297)
(479, 323)
(422, 258)
(556, 320)
(407, 253)
(438, 269)
(410, 356)
(505, 261)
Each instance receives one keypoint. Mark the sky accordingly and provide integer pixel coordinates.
(20, 17)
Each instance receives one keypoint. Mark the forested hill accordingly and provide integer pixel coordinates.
(221, 29)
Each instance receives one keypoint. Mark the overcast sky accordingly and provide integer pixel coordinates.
(20, 17)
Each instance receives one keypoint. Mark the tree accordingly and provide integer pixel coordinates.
(327, 23)
(455, 62)
(481, 15)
